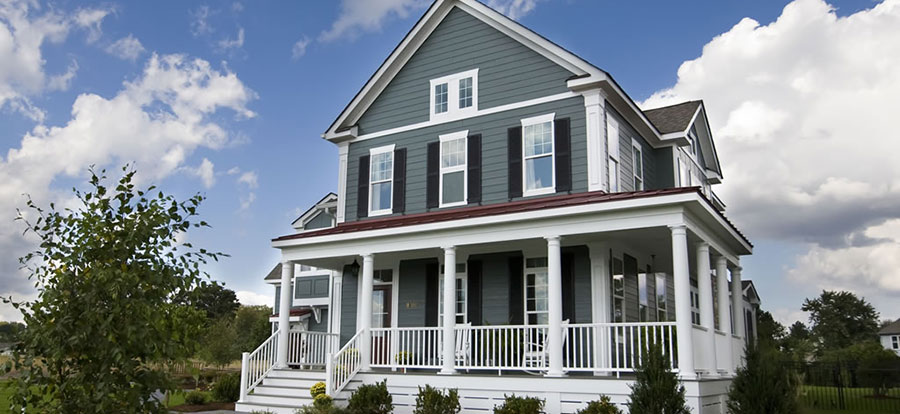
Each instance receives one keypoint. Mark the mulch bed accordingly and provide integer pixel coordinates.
(190, 408)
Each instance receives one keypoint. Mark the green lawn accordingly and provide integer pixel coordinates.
(175, 399)
(823, 400)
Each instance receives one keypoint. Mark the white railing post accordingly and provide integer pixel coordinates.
(449, 350)
(554, 308)
(245, 365)
(684, 326)
(329, 371)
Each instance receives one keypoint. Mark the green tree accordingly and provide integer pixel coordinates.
(840, 319)
(762, 385)
(770, 332)
(253, 326)
(219, 344)
(104, 323)
(10, 331)
(215, 300)
(656, 389)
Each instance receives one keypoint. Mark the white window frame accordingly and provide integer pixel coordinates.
(372, 153)
(535, 120)
(464, 167)
(534, 270)
(637, 173)
(614, 295)
(665, 300)
(453, 109)
(695, 306)
(644, 297)
(895, 342)
(612, 149)
(460, 277)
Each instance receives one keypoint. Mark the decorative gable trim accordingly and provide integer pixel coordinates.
(323, 205)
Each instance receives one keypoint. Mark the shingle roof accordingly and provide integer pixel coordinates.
(674, 118)
(275, 273)
(891, 329)
(565, 200)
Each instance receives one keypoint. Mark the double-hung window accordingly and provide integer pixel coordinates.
(643, 297)
(618, 291)
(612, 148)
(536, 297)
(662, 304)
(454, 95)
(695, 304)
(453, 180)
(460, 305)
(381, 180)
(895, 342)
(637, 164)
(537, 153)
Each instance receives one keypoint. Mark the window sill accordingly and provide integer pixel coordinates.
(454, 204)
(542, 191)
(379, 213)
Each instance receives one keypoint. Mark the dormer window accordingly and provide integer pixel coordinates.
(454, 95)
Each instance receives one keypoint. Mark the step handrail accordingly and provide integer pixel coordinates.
(343, 365)
(257, 364)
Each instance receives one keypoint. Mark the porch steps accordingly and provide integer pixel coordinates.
(281, 392)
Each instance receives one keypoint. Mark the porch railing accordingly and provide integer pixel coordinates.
(502, 347)
(616, 347)
(406, 347)
(255, 365)
(343, 365)
(310, 349)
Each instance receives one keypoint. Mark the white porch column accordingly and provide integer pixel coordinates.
(284, 314)
(595, 126)
(554, 308)
(364, 322)
(707, 318)
(449, 328)
(737, 302)
(683, 324)
(600, 298)
(724, 314)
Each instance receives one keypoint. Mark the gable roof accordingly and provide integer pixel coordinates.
(586, 75)
(275, 273)
(891, 329)
(311, 212)
(673, 118)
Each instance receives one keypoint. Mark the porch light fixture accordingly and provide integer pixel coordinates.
(354, 268)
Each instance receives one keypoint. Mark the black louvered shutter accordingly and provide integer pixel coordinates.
(473, 163)
(432, 285)
(473, 290)
(514, 146)
(563, 151)
(399, 180)
(516, 290)
(362, 191)
(432, 174)
(568, 286)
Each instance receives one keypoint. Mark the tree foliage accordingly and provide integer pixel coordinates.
(252, 326)
(215, 300)
(762, 385)
(10, 331)
(840, 319)
(656, 389)
(770, 333)
(104, 323)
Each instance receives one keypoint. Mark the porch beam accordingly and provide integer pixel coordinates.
(683, 324)
(554, 308)
(724, 312)
(449, 329)
(364, 317)
(707, 318)
(284, 314)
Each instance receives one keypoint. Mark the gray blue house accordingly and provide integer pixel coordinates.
(507, 219)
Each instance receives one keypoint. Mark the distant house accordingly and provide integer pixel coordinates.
(890, 337)
(6, 348)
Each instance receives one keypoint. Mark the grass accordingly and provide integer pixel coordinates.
(175, 399)
(822, 400)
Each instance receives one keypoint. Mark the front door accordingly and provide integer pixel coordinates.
(381, 318)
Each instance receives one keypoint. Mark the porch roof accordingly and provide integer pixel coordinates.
(564, 200)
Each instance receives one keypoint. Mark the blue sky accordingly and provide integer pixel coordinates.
(258, 156)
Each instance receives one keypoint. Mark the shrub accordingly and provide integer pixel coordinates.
(762, 385)
(317, 389)
(520, 405)
(433, 401)
(603, 406)
(195, 398)
(656, 389)
(371, 399)
(227, 388)
(323, 402)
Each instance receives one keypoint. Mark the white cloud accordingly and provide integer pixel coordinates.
(299, 48)
(24, 29)
(126, 48)
(358, 16)
(514, 9)
(247, 201)
(156, 121)
(250, 179)
(803, 111)
(200, 21)
(248, 298)
(91, 19)
(227, 44)
(206, 172)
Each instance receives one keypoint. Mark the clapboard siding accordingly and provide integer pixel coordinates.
(507, 72)
(411, 293)
(493, 129)
(322, 324)
(321, 221)
(349, 296)
(626, 163)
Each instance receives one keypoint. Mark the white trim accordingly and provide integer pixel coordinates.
(387, 149)
(595, 131)
(474, 114)
(464, 168)
(613, 161)
(535, 120)
(343, 154)
(453, 112)
(535, 270)
(635, 145)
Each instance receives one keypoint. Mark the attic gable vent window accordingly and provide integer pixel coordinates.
(454, 95)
